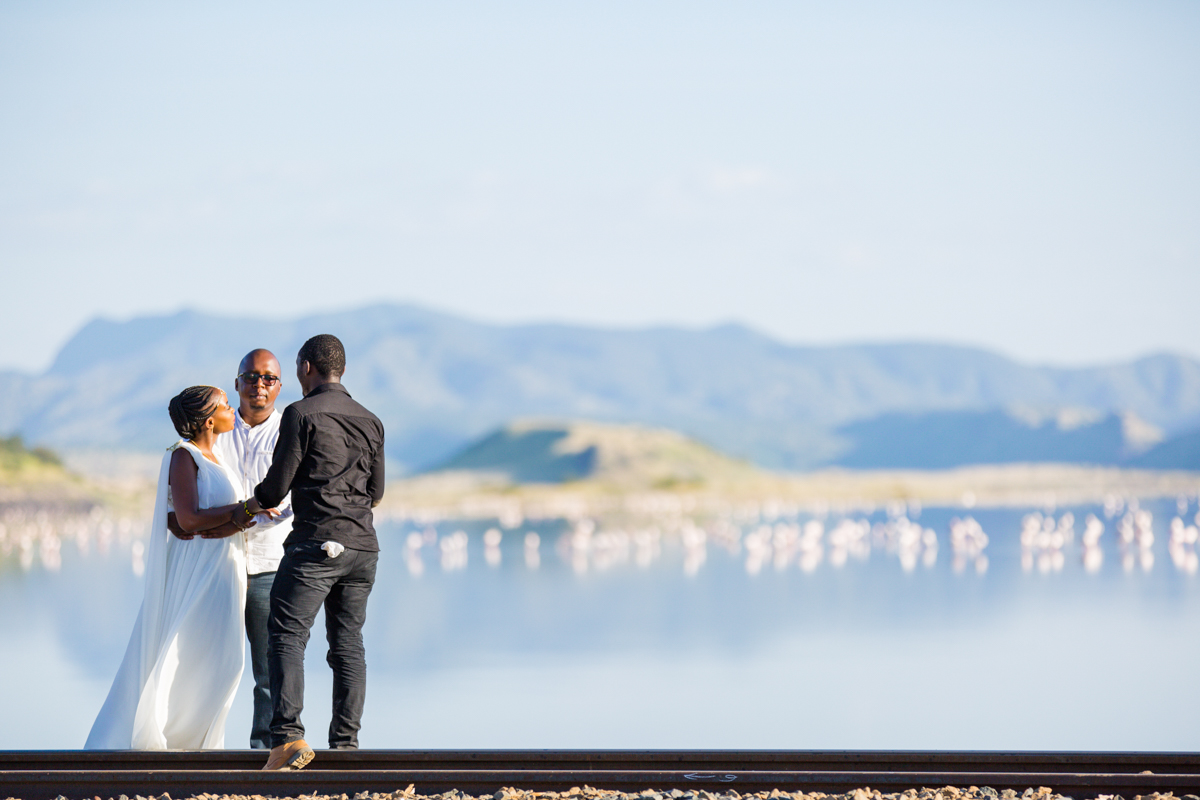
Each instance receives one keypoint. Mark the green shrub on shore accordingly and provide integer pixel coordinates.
(17, 458)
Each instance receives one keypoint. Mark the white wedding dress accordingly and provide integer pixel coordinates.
(185, 657)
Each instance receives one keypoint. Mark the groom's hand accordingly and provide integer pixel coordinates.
(173, 527)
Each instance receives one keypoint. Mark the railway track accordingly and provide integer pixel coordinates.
(45, 775)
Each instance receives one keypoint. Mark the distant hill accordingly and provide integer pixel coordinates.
(36, 478)
(439, 382)
(626, 456)
(20, 464)
(945, 439)
(1181, 452)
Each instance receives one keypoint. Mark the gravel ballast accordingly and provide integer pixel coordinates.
(589, 793)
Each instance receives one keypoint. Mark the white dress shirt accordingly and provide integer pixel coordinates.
(247, 452)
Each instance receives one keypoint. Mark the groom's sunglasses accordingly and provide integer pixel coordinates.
(254, 377)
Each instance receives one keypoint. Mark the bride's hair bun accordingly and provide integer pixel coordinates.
(191, 408)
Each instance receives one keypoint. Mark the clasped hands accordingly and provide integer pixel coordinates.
(241, 518)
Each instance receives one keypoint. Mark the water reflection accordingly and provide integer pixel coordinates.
(533, 558)
(770, 613)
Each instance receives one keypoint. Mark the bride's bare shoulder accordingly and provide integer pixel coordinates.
(183, 458)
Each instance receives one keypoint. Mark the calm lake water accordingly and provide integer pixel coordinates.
(869, 631)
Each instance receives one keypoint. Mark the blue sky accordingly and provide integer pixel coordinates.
(1021, 176)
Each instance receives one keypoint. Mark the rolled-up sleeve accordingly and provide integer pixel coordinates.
(289, 451)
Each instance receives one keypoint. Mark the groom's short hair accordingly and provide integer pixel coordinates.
(326, 354)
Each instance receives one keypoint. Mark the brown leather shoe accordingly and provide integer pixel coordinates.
(293, 755)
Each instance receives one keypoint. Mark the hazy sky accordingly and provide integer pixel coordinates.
(1022, 176)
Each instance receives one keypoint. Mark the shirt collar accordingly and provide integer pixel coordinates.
(241, 423)
(328, 387)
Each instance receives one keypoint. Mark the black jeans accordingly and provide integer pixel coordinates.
(258, 611)
(306, 580)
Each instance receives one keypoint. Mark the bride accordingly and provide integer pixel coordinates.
(184, 660)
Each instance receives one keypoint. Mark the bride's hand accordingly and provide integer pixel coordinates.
(176, 531)
(225, 531)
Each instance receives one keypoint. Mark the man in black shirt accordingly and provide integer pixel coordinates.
(330, 457)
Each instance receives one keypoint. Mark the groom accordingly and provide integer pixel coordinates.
(330, 457)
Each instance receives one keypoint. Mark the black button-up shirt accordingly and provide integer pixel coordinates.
(330, 457)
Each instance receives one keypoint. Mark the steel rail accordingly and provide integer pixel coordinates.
(41, 775)
(626, 760)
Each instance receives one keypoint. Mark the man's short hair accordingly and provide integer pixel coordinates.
(326, 354)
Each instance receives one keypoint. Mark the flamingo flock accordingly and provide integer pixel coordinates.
(1135, 537)
(778, 536)
(968, 542)
(1043, 540)
(1093, 555)
(907, 540)
(1182, 544)
(39, 535)
(1046, 540)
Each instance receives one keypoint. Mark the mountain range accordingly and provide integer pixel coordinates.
(440, 382)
